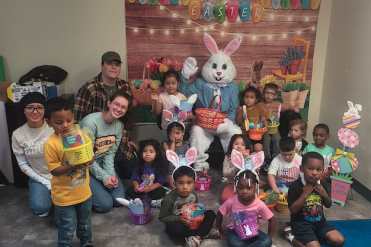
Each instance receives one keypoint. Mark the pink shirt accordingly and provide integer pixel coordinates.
(232, 205)
(164, 99)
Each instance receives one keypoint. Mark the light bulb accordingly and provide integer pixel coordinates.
(290, 18)
(307, 18)
(298, 32)
(222, 33)
(189, 22)
(254, 37)
(284, 35)
(269, 36)
(197, 30)
(174, 15)
(211, 27)
(151, 31)
(314, 28)
(272, 16)
(205, 29)
(167, 32)
(162, 7)
(182, 31)
(135, 30)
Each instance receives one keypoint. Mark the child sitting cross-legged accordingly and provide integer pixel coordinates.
(183, 195)
(306, 199)
(285, 167)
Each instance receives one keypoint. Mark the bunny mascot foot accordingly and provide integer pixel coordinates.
(218, 74)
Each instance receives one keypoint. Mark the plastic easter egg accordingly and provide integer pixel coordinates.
(252, 126)
(295, 4)
(163, 2)
(285, 4)
(207, 11)
(131, 1)
(244, 11)
(184, 2)
(351, 122)
(175, 2)
(241, 86)
(153, 2)
(348, 137)
(256, 12)
(276, 4)
(314, 4)
(232, 12)
(194, 10)
(305, 3)
(219, 12)
(266, 3)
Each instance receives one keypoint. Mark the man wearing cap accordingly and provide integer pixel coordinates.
(93, 97)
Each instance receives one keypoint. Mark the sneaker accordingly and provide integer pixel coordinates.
(156, 203)
(288, 233)
(214, 233)
(88, 244)
(192, 241)
(44, 215)
(167, 190)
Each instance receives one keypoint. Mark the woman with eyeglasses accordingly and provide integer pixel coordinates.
(105, 130)
(27, 144)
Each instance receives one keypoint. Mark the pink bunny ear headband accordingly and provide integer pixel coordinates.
(251, 162)
(189, 158)
(174, 117)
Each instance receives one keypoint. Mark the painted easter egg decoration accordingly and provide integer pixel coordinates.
(295, 4)
(219, 12)
(194, 10)
(348, 137)
(256, 12)
(153, 2)
(305, 4)
(66, 145)
(232, 12)
(314, 4)
(184, 2)
(276, 4)
(71, 139)
(285, 4)
(266, 3)
(143, 1)
(175, 2)
(163, 2)
(207, 11)
(351, 122)
(342, 165)
(244, 11)
(131, 1)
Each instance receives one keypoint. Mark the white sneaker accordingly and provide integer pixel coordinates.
(44, 215)
(288, 234)
(214, 233)
(192, 241)
(156, 203)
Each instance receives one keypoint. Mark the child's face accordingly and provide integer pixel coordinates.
(61, 121)
(177, 134)
(171, 85)
(320, 136)
(149, 154)
(118, 107)
(184, 185)
(288, 156)
(312, 170)
(269, 95)
(296, 132)
(245, 192)
(239, 144)
(249, 99)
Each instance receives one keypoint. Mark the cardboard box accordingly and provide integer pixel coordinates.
(16, 92)
(3, 86)
(56, 90)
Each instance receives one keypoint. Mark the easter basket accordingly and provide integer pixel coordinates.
(281, 205)
(208, 118)
(256, 135)
(195, 222)
(272, 129)
(79, 155)
(247, 229)
(140, 219)
(203, 182)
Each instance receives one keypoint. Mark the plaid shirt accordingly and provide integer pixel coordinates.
(92, 98)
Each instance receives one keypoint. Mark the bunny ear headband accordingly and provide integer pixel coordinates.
(189, 158)
(175, 117)
(251, 162)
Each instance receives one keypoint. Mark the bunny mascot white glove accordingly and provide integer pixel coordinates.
(218, 74)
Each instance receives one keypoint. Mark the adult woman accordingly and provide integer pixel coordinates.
(106, 132)
(27, 144)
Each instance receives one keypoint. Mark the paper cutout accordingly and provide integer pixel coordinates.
(348, 138)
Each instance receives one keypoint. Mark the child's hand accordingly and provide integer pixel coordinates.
(308, 189)
(296, 109)
(222, 235)
(321, 191)
(146, 189)
(154, 96)
(264, 199)
(172, 137)
(114, 181)
(136, 189)
(111, 182)
(326, 175)
(184, 220)
(278, 191)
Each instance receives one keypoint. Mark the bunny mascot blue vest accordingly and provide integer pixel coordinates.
(218, 74)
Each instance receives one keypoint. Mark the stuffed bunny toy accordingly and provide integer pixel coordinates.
(189, 158)
(353, 110)
(251, 162)
(218, 74)
(256, 74)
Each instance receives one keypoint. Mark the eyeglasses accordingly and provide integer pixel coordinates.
(270, 93)
(30, 109)
(123, 107)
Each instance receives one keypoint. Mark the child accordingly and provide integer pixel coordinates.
(321, 133)
(170, 80)
(285, 166)
(149, 173)
(175, 224)
(246, 200)
(270, 107)
(253, 112)
(298, 130)
(240, 143)
(305, 200)
(70, 191)
(175, 132)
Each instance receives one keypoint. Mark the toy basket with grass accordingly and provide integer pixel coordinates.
(203, 182)
(247, 229)
(140, 219)
(255, 134)
(208, 118)
(195, 222)
(79, 155)
(271, 207)
(281, 205)
(272, 129)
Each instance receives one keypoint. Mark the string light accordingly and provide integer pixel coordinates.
(182, 31)
(225, 23)
(222, 33)
(174, 15)
(307, 18)
(167, 32)
(269, 36)
(211, 27)
(314, 28)
(189, 22)
(135, 30)
(290, 18)
(299, 32)
(254, 37)
(197, 30)
(151, 31)
(284, 35)
(272, 16)
(205, 29)
(162, 7)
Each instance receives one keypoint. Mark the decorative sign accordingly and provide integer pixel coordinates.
(339, 189)
(219, 12)
(232, 12)
(256, 12)
(244, 11)
(207, 11)
(194, 9)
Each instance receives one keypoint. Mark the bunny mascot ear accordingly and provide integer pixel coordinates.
(172, 157)
(233, 46)
(175, 100)
(210, 44)
(327, 160)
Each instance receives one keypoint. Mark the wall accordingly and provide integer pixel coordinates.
(347, 77)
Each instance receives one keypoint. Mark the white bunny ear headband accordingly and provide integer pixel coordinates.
(251, 162)
(176, 117)
(189, 158)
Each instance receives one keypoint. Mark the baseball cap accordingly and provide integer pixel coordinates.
(111, 55)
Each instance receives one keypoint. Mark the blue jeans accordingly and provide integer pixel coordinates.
(68, 218)
(263, 240)
(267, 144)
(39, 196)
(103, 198)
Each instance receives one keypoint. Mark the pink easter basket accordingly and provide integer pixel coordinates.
(140, 219)
(203, 185)
(246, 230)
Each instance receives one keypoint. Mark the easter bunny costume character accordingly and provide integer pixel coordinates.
(218, 74)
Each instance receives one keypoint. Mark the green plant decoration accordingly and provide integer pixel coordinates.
(342, 176)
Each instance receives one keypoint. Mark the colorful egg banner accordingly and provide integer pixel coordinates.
(256, 12)
(207, 11)
(232, 12)
(219, 12)
(131, 1)
(163, 2)
(266, 3)
(184, 2)
(285, 4)
(173, 1)
(276, 4)
(314, 4)
(305, 4)
(153, 2)
(194, 10)
(295, 4)
(244, 10)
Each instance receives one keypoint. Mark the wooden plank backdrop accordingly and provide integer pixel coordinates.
(142, 45)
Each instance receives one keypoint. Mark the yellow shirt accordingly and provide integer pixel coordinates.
(67, 189)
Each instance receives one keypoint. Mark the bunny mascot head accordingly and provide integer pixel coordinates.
(189, 158)
(218, 74)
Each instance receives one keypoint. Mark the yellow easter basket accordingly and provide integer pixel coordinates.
(282, 205)
(272, 129)
(79, 155)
